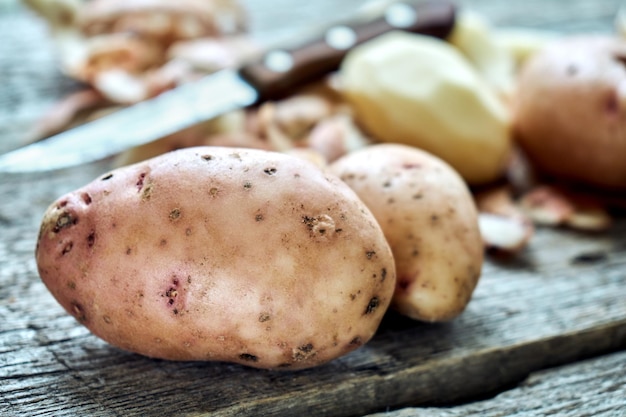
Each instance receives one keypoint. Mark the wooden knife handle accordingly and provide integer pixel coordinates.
(279, 71)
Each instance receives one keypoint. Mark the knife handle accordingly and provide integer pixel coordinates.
(279, 71)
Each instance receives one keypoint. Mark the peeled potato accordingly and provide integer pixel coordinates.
(570, 110)
(430, 221)
(420, 91)
(522, 44)
(474, 37)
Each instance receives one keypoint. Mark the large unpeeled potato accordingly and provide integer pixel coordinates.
(420, 91)
(221, 254)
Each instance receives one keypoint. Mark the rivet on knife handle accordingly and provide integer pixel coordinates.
(279, 71)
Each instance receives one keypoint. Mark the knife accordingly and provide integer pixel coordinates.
(275, 75)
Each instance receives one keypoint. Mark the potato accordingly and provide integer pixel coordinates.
(430, 220)
(224, 254)
(474, 37)
(570, 110)
(420, 91)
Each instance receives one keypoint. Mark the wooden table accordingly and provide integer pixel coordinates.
(561, 304)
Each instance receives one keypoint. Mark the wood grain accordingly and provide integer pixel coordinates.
(594, 387)
(560, 302)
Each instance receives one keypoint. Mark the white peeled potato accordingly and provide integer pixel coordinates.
(220, 254)
(430, 221)
(475, 38)
(523, 43)
(420, 91)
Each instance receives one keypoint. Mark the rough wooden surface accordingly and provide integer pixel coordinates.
(594, 388)
(562, 301)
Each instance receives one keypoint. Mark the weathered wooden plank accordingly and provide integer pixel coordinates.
(595, 387)
(545, 308)
(539, 310)
(572, 16)
(30, 79)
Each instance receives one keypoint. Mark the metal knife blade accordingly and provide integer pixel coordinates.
(275, 75)
(141, 123)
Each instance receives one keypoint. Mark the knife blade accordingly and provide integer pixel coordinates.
(275, 75)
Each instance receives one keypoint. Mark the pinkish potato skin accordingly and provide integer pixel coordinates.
(221, 254)
(430, 220)
(570, 110)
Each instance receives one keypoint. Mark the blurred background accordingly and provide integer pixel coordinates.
(31, 82)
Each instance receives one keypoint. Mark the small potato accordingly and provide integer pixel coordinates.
(570, 110)
(222, 254)
(430, 220)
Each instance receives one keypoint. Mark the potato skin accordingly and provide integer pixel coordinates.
(430, 220)
(222, 254)
(570, 110)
